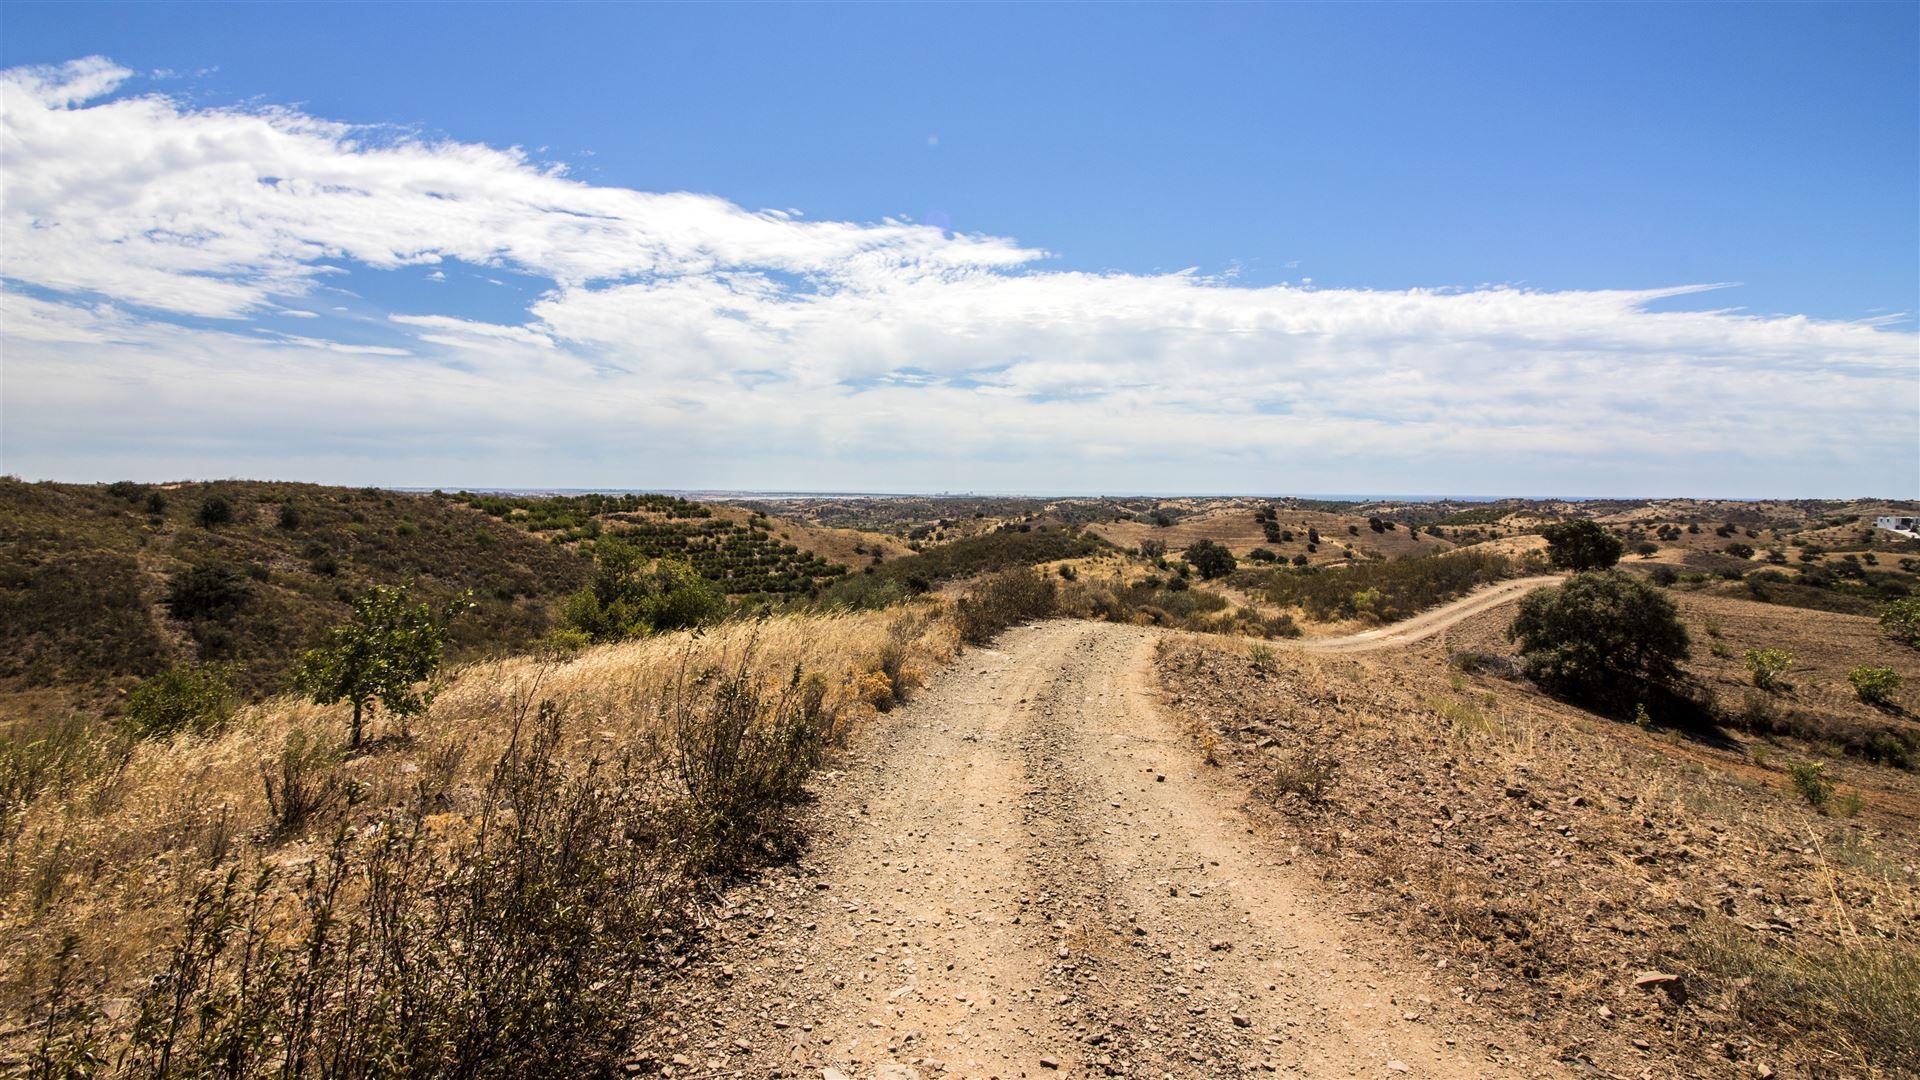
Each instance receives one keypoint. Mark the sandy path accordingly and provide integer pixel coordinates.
(1026, 872)
(1427, 623)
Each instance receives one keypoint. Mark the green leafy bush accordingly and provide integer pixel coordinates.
(1812, 782)
(626, 597)
(1766, 666)
(214, 510)
(182, 698)
(1874, 685)
(1600, 635)
(1212, 560)
(1901, 621)
(1581, 545)
(206, 591)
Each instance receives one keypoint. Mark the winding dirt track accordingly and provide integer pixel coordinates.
(1427, 623)
(1027, 872)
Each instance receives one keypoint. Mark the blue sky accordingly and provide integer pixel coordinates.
(1542, 168)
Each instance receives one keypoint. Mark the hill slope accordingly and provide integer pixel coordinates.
(86, 570)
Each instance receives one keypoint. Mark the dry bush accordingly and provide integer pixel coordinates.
(1305, 774)
(1867, 987)
(1002, 600)
(548, 836)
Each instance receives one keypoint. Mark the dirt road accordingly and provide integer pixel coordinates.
(1427, 623)
(1027, 872)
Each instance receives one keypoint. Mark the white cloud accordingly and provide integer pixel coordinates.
(685, 341)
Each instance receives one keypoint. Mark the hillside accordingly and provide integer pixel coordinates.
(86, 572)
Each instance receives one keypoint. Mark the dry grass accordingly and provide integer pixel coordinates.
(1557, 854)
(109, 847)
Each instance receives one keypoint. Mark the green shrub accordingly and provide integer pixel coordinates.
(1211, 560)
(1599, 636)
(1874, 685)
(1581, 545)
(183, 698)
(1812, 782)
(214, 510)
(1009, 597)
(627, 598)
(1766, 666)
(206, 591)
(1901, 621)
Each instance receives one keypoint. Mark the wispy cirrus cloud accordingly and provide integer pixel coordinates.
(681, 340)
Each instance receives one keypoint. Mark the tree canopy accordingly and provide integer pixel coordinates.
(1581, 545)
(381, 657)
(1599, 635)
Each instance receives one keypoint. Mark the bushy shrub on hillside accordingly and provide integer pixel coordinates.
(1602, 635)
(627, 598)
(1581, 545)
(183, 698)
(206, 591)
(1901, 621)
(1009, 597)
(1211, 560)
(1766, 666)
(214, 510)
(1874, 685)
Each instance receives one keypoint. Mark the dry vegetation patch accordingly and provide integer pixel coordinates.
(1637, 896)
(483, 894)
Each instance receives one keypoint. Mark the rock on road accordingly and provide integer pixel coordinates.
(1028, 872)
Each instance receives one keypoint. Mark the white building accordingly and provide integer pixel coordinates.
(1904, 524)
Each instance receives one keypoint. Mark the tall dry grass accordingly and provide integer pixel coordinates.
(131, 867)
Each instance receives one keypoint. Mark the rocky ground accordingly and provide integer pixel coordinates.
(1609, 886)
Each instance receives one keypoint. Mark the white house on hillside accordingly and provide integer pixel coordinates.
(1904, 524)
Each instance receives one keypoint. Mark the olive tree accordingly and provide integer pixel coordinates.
(381, 657)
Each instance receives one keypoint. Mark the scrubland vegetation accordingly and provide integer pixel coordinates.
(484, 895)
(531, 733)
(1387, 591)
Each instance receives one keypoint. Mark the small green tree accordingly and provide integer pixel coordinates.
(1599, 634)
(1581, 545)
(381, 657)
(1211, 560)
(1874, 685)
(1901, 621)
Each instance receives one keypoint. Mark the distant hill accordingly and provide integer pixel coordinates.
(86, 571)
